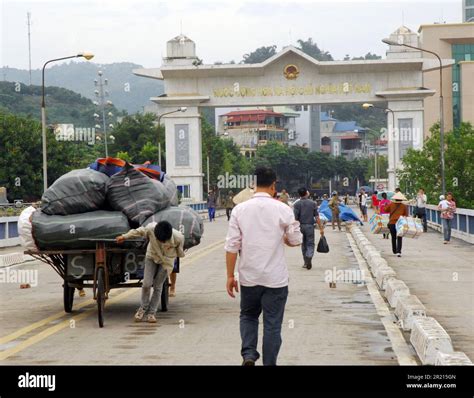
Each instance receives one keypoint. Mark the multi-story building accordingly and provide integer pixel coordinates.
(468, 10)
(253, 127)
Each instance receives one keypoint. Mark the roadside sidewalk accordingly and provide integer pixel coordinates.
(442, 276)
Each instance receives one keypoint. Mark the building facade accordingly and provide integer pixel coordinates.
(468, 10)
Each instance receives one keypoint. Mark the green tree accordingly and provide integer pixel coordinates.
(21, 164)
(311, 48)
(259, 55)
(422, 167)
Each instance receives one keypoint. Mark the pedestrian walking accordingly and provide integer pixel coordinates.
(334, 206)
(375, 202)
(346, 199)
(384, 202)
(448, 209)
(284, 196)
(363, 204)
(211, 205)
(258, 230)
(164, 245)
(229, 204)
(396, 209)
(306, 212)
(420, 209)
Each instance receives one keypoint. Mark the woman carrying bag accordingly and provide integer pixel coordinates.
(396, 209)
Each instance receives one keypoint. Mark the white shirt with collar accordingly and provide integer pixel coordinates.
(256, 229)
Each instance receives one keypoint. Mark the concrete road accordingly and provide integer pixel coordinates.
(322, 325)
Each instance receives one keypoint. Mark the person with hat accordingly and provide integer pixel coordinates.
(229, 204)
(396, 209)
(334, 206)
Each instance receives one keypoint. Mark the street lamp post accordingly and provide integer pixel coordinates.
(386, 110)
(87, 56)
(180, 109)
(441, 105)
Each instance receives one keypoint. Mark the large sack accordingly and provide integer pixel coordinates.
(25, 229)
(172, 190)
(64, 232)
(136, 195)
(183, 219)
(78, 191)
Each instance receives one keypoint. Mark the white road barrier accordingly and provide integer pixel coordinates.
(408, 309)
(394, 290)
(382, 276)
(428, 338)
(6, 260)
(456, 358)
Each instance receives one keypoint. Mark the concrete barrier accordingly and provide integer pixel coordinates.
(408, 309)
(382, 276)
(456, 358)
(6, 260)
(394, 290)
(428, 338)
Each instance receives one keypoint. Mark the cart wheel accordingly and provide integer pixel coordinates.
(68, 296)
(164, 296)
(100, 296)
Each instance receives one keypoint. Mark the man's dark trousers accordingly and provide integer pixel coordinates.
(254, 300)
(307, 247)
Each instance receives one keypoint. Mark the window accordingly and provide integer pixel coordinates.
(185, 191)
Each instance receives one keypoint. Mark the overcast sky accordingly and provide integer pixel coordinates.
(224, 30)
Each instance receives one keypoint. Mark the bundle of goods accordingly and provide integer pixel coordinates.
(78, 191)
(66, 232)
(183, 219)
(103, 201)
(25, 228)
(379, 224)
(345, 212)
(136, 195)
(409, 227)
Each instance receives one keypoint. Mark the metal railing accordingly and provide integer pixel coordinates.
(462, 225)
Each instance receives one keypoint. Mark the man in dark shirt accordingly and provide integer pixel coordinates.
(306, 212)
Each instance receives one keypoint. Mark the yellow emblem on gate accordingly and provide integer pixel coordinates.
(291, 72)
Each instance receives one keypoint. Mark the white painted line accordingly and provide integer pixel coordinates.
(403, 351)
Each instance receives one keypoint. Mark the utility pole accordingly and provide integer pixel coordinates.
(28, 16)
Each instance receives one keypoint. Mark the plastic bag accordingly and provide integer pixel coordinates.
(25, 229)
(409, 227)
(323, 246)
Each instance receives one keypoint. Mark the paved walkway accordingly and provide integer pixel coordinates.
(442, 276)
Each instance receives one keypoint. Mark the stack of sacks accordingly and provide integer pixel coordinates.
(78, 205)
(379, 224)
(409, 227)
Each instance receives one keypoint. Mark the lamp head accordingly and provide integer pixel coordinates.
(390, 42)
(182, 109)
(367, 106)
(86, 55)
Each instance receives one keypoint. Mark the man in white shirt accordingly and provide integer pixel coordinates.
(258, 230)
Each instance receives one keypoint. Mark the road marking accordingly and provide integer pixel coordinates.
(56, 328)
(405, 355)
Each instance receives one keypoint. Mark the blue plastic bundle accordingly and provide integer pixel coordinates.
(345, 212)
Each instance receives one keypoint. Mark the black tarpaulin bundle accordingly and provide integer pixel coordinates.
(66, 232)
(183, 219)
(136, 195)
(78, 191)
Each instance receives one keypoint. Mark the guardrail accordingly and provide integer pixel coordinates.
(462, 225)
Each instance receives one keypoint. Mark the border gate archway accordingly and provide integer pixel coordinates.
(288, 78)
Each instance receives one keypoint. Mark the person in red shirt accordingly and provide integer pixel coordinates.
(375, 202)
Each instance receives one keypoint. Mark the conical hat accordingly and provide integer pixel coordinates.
(399, 197)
